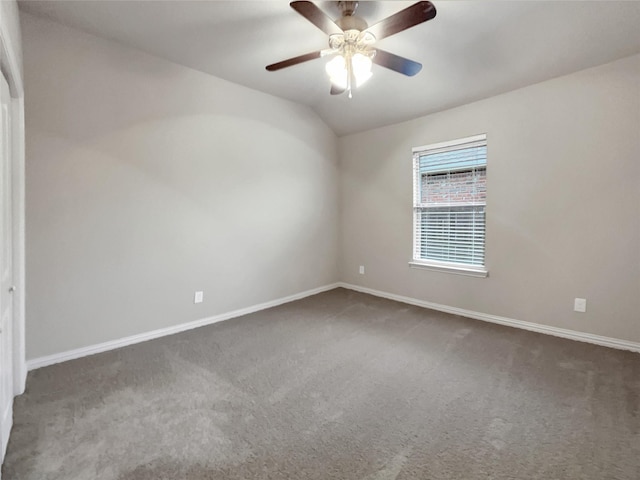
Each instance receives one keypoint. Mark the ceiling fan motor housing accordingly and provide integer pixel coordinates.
(352, 23)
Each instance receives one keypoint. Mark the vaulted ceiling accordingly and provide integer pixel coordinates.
(469, 51)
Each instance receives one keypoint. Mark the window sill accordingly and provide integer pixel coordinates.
(447, 268)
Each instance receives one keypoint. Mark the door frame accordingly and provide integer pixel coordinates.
(11, 68)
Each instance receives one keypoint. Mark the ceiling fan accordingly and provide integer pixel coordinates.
(351, 42)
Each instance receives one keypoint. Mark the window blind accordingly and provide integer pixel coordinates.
(449, 202)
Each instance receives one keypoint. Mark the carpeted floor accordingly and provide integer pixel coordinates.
(340, 385)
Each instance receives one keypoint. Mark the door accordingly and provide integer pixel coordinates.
(6, 270)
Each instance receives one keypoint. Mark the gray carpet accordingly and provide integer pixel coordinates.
(340, 385)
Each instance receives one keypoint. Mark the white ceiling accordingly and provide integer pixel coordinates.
(470, 50)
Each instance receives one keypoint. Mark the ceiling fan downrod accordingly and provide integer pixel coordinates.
(347, 8)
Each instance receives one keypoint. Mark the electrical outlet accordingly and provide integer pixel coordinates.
(361, 269)
(198, 297)
(580, 305)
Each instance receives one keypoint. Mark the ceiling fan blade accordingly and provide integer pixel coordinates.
(409, 17)
(337, 90)
(316, 16)
(396, 63)
(289, 62)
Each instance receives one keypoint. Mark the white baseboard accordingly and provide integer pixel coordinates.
(510, 322)
(143, 337)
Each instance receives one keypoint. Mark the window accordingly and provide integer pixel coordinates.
(449, 200)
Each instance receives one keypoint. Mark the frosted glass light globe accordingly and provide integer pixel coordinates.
(337, 71)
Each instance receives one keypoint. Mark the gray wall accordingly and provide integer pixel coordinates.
(147, 181)
(562, 203)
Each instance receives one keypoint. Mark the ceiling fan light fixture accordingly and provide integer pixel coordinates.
(338, 69)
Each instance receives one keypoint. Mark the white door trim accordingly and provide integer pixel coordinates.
(10, 67)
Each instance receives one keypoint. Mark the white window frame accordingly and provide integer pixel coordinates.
(436, 265)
